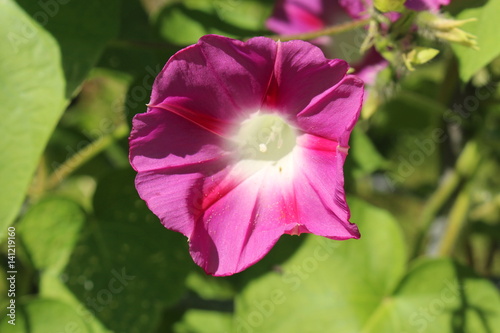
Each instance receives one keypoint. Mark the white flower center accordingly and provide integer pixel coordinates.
(265, 137)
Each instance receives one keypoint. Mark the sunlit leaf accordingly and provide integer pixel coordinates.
(486, 30)
(32, 95)
(334, 284)
(43, 316)
(201, 321)
(183, 23)
(359, 286)
(55, 222)
(364, 153)
(389, 5)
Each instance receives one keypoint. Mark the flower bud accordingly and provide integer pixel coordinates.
(447, 29)
(418, 56)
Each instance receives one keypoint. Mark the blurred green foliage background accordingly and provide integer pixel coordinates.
(422, 179)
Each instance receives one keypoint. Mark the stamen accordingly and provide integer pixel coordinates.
(265, 137)
(276, 129)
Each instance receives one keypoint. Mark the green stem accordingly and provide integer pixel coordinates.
(330, 31)
(139, 44)
(433, 206)
(450, 81)
(466, 164)
(458, 215)
(84, 155)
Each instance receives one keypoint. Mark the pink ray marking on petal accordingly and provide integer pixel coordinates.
(242, 225)
(176, 195)
(319, 186)
(217, 189)
(314, 142)
(271, 96)
(211, 124)
(162, 140)
(309, 20)
(301, 74)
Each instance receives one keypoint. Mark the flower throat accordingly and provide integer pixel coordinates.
(266, 137)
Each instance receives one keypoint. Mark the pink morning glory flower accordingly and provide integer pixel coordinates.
(358, 8)
(299, 16)
(432, 5)
(243, 142)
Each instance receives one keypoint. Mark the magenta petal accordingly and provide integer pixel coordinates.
(170, 196)
(243, 223)
(176, 195)
(301, 74)
(356, 8)
(296, 16)
(319, 187)
(218, 68)
(335, 113)
(161, 140)
(432, 5)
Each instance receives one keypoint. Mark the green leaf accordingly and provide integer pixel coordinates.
(250, 14)
(52, 286)
(360, 286)
(82, 29)
(438, 296)
(45, 315)
(424, 54)
(419, 56)
(202, 321)
(334, 284)
(50, 231)
(486, 30)
(183, 23)
(209, 287)
(364, 153)
(127, 268)
(389, 5)
(32, 95)
(139, 49)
